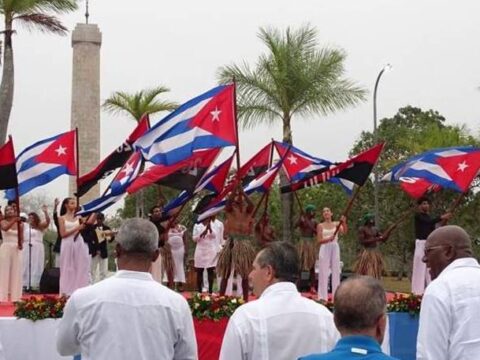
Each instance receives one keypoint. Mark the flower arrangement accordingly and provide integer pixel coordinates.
(405, 303)
(213, 307)
(40, 307)
(327, 303)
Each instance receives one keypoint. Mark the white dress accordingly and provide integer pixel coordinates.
(74, 261)
(10, 266)
(175, 239)
(206, 249)
(34, 255)
(329, 261)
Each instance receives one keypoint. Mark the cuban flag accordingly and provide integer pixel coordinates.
(452, 168)
(261, 183)
(44, 161)
(117, 188)
(213, 181)
(299, 165)
(205, 122)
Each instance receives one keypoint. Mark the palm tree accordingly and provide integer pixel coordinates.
(143, 102)
(294, 78)
(139, 103)
(35, 15)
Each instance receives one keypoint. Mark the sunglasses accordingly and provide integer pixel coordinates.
(429, 249)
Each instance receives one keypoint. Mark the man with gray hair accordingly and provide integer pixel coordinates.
(450, 314)
(281, 324)
(360, 316)
(129, 315)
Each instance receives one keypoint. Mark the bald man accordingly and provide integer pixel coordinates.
(450, 313)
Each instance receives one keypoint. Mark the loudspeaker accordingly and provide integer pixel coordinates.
(50, 281)
(303, 283)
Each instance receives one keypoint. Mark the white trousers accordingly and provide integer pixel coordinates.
(10, 272)
(329, 262)
(420, 274)
(98, 269)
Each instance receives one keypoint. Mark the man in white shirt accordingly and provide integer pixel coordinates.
(129, 315)
(281, 324)
(450, 312)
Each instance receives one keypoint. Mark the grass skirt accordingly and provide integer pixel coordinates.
(167, 259)
(307, 250)
(370, 262)
(238, 253)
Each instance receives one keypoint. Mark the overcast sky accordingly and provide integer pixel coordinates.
(433, 46)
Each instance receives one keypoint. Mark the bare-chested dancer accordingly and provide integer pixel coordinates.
(238, 253)
(307, 248)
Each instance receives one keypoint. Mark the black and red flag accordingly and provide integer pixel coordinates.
(257, 164)
(183, 175)
(356, 170)
(8, 171)
(115, 160)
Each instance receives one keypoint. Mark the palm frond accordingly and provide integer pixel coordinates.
(139, 103)
(42, 22)
(21, 7)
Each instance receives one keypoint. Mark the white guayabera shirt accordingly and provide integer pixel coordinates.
(450, 314)
(127, 316)
(281, 324)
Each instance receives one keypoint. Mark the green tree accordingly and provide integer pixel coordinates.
(34, 15)
(143, 102)
(294, 78)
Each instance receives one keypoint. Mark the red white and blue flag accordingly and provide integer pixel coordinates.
(183, 175)
(451, 168)
(115, 160)
(261, 183)
(299, 165)
(204, 122)
(118, 187)
(44, 161)
(213, 181)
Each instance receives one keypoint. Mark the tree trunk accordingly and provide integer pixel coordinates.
(287, 199)
(6, 87)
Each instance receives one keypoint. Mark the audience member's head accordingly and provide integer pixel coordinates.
(360, 307)
(137, 245)
(444, 245)
(278, 262)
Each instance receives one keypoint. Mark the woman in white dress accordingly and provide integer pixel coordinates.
(205, 236)
(329, 253)
(74, 256)
(11, 256)
(34, 254)
(178, 244)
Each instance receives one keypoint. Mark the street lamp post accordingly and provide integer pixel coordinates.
(387, 67)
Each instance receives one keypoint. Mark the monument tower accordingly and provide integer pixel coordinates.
(85, 110)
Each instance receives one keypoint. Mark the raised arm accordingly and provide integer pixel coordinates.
(46, 223)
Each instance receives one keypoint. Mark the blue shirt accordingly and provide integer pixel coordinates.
(353, 347)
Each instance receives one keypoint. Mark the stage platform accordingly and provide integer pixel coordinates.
(14, 333)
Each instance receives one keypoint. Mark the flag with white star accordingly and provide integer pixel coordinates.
(205, 122)
(118, 187)
(44, 161)
(452, 168)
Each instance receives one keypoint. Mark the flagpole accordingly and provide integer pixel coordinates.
(17, 201)
(237, 139)
(347, 209)
(77, 155)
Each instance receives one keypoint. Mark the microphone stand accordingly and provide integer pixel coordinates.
(29, 258)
